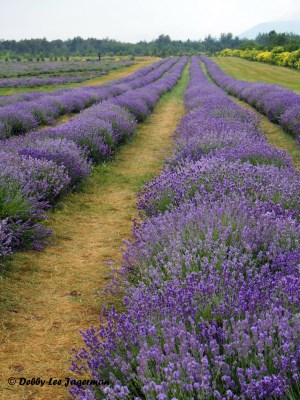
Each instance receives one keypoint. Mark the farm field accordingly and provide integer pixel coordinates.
(205, 302)
(259, 72)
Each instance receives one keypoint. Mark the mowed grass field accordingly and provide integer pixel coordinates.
(259, 72)
(255, 71)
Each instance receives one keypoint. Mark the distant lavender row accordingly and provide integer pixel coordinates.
(58, 80)
(13, 69)
(38, 169)
(19, 118)
(280, 105)
(212, 276)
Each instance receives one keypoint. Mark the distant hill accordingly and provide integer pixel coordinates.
(278, 26)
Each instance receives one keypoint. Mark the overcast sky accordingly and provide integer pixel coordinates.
(135, 20)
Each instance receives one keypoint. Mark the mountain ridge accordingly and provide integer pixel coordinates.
(278, 26)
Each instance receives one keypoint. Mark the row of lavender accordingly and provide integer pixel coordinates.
(38, 169)
(280, 105)
(57, 80)
(21, 117)
(211, 278)
(21, 69)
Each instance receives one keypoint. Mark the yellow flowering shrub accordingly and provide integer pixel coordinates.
(264, 56)
(277, 56)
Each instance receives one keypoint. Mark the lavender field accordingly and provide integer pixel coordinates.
(211, 309)
(207, 290)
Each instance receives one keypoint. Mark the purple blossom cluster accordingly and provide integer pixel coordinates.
(279, 104)
(211, 277)
(17, 118)
(37, 169)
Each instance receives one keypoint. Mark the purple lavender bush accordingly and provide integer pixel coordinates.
(290, 120)
(64, 152)
(15, 120)
(91, 133)
(40, 180)
(123, 122)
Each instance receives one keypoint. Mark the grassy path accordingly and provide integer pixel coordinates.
(48, 296)
(259, 72)
(114, 74)
(274, 133)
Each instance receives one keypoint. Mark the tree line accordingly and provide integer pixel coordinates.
(162, 46)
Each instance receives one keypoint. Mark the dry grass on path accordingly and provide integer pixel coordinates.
(48, 296)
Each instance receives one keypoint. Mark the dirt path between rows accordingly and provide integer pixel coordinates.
(48, 296)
